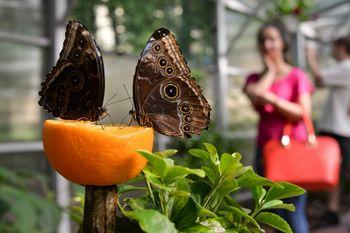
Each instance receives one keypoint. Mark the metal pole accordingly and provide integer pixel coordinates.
(221, 81)
(298, 52)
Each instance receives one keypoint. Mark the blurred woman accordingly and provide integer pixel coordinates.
(280, 93)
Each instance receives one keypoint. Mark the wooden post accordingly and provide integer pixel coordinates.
(100, 209)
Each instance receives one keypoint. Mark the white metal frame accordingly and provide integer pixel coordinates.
(223, 47)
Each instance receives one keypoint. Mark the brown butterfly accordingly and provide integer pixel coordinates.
(165, 95)
(74, 89)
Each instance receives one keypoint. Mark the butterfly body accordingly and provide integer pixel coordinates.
(74, 89)
(166, 97)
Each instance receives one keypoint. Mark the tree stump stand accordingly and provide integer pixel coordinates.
(100, 209)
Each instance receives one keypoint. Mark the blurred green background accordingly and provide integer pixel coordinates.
(31, 36)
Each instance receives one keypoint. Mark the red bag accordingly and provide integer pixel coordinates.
(313, 165)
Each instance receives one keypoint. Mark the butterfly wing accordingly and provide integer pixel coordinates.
(166, 97)
(74, 89)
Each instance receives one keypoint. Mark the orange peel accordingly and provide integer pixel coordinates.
(90, 154)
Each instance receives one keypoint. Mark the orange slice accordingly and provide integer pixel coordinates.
(89, 154)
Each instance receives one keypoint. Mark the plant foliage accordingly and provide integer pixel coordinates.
(184, 199)
(22, 210)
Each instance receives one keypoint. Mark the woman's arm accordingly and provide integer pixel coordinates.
(290, 110)
(294, 111)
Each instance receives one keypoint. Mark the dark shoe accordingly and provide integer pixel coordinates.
(327, 220)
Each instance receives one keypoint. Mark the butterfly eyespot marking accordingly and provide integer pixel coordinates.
(186, 128)
(82, 41)
(185, 108)
(187, 118)
(169, 70)
(157, 48)
(77, 54)
(162, 62)
(171, 91)
(60, 100)
(75, 80)
(59, 108)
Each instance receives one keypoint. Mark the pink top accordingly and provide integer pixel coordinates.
(290, 88)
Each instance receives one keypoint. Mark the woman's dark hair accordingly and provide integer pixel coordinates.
(343, 41)
(282, 31)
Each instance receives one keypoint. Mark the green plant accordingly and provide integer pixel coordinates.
(298, 8)
(76, 209)
(183, 199)
(22, 210)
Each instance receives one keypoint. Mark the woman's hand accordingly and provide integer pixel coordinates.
(271, 67)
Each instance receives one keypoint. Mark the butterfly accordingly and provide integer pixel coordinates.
(74, 88)
(165, 95)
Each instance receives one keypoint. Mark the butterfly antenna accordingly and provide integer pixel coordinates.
(118, 101)
(111, 98)
(126, 90)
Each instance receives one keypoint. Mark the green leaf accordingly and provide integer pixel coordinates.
(187, 216)
(214, 157)
(156, 163)
(178, 172)
(271, 204)
(227, 186)
(152, 221)
(241, 171)
(204, 212)
(166, 153)
(76, 214)
(124, 188)
(242, 214)
(155, 181)
(179, 203)
(232, 202)
(258, 193)
(229, 164)
(289, 207)
(210, 174)
(285, 190)
(275, 221)
(212, 151)
(202, 154)
(211, 225)
(138, 203)
(199, 191)
(250, 179)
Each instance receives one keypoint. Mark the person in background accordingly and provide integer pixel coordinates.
(279, 93)
(335, 120)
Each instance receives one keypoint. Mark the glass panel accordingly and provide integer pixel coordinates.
(243, 55)
(22, 17)
(20, 72)
(33, 161)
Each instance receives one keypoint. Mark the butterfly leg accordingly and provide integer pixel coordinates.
(110, 118)
(102, 126)
(130, 121)
(123, 119)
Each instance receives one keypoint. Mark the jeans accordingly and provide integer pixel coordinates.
(297, 220)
